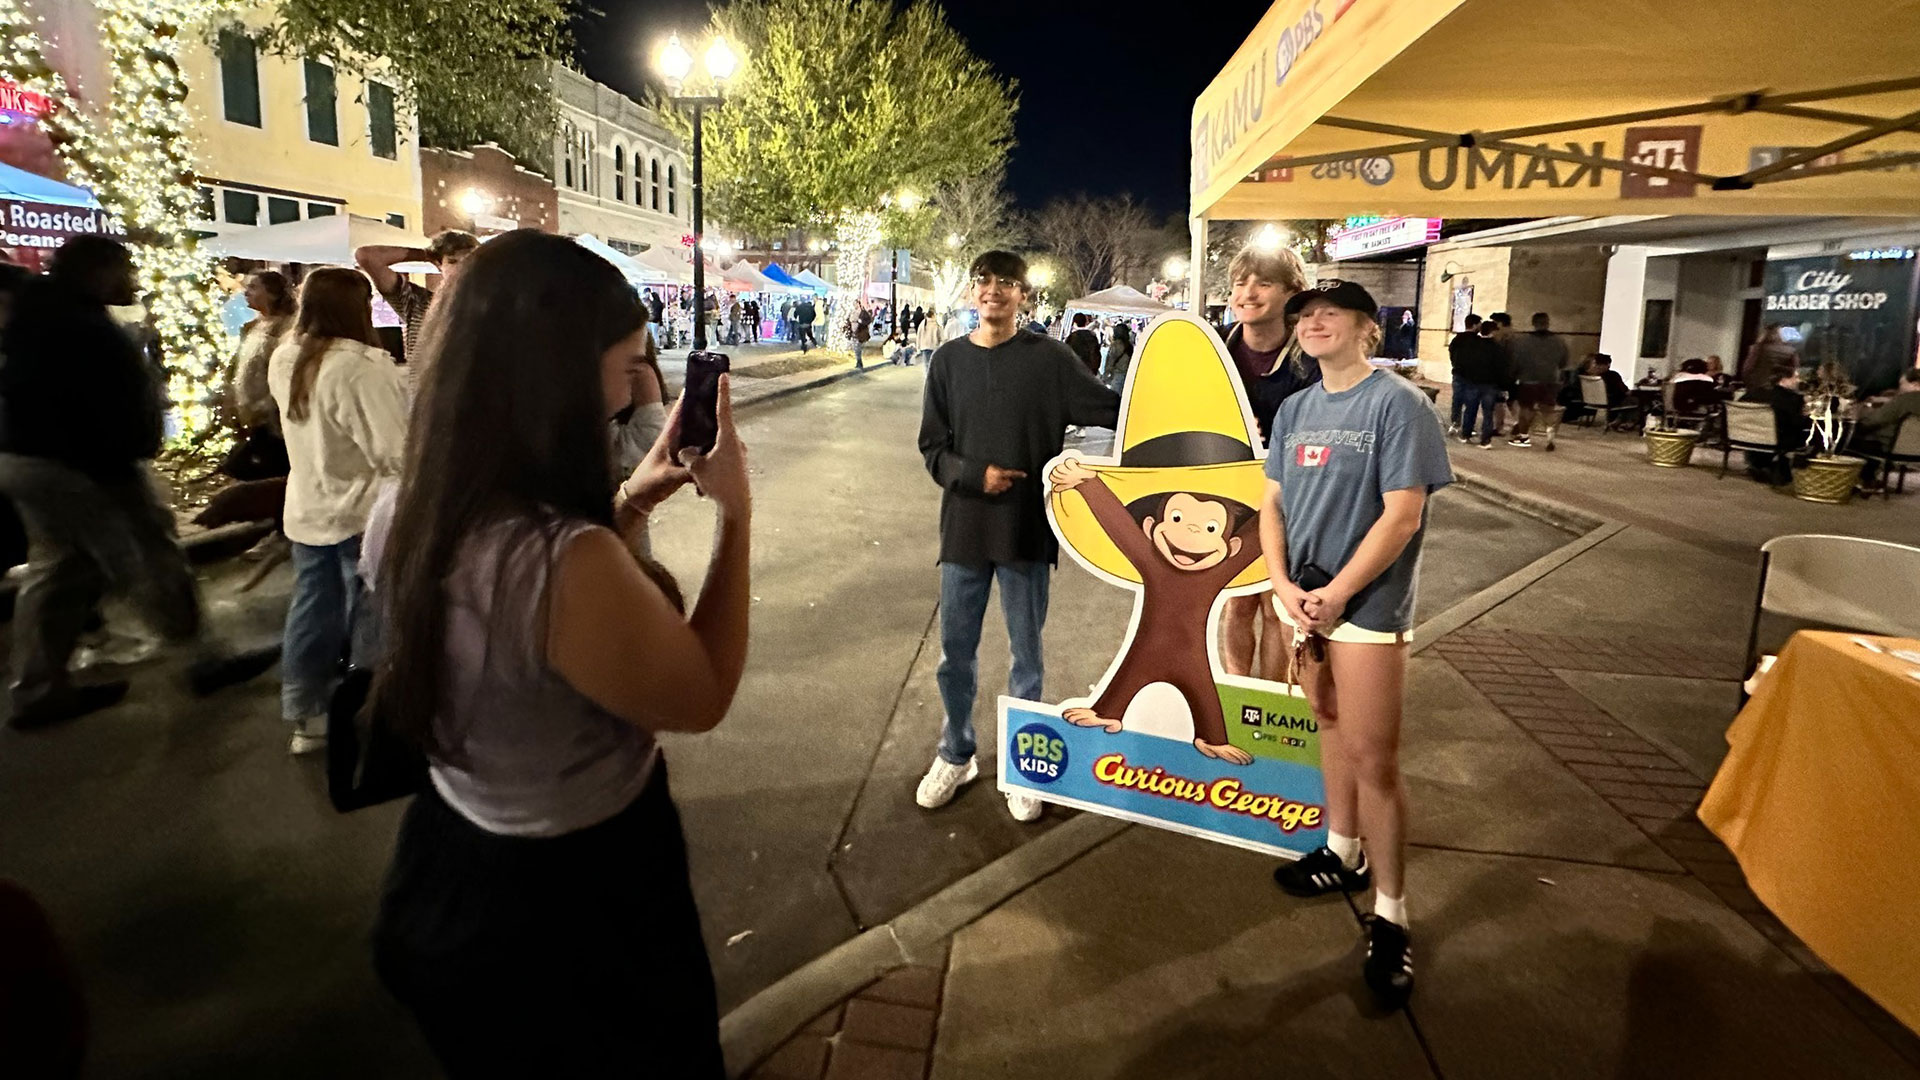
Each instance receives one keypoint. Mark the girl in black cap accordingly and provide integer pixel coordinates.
(1349, 468)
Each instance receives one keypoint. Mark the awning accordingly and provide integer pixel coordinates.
(779, 276)
(19, 185)
(1512, 108)
(630, 268)
(1119, 300)
(321, 241)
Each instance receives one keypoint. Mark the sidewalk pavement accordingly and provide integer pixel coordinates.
(775, 369)
(1571, 917)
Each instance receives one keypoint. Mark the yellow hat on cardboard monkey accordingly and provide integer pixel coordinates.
(1184, 426)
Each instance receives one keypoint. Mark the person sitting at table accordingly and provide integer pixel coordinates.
(1782, 392)
(1876, 429)
(1717, 371)
(1692, 370)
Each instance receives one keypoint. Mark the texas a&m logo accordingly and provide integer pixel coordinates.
(1311, 457)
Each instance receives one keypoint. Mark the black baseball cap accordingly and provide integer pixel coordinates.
(1339, 293)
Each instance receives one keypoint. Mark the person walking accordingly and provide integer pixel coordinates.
(343, 410)
(1479, 371)
(1539, 366)
(1085, 343)
(926, 336)
(996, 408)
(804, 313)
(1455, 348)
(1113, 369)
(859, 331)
(537, 918)
(1354, 461)
(1272, 368)
(751, 312)
(80, 417)
(411, 300)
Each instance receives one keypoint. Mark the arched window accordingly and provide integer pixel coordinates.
(566, 152)
(619, 173)
(586, 166)
(655, 166)
(673, 193)
(639, 197)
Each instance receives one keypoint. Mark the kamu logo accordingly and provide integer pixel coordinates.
(1291, 723)
(1501, 166)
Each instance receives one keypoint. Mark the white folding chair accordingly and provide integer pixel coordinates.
(1749, 427)
(1811, 581)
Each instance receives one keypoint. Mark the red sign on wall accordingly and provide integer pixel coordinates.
(13, 99)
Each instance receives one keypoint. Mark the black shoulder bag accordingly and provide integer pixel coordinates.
(368, 763)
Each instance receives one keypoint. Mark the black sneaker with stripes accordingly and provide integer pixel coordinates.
(1321, 872)
(1389, 966)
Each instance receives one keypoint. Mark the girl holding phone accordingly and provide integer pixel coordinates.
(537, 918)
(1350, 465)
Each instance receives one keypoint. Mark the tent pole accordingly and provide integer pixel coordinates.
(1366, 152)
(1829, 115)
(1197, 268)
(1885, 86)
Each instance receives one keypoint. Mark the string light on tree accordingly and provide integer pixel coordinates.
(138, 160)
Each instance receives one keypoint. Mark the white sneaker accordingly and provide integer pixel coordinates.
(1024, 807)
(309, 736)
(942, 780)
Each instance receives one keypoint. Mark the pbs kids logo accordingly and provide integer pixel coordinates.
(1039, 754)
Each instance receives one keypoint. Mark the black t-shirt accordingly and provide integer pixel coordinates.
(1008, 406)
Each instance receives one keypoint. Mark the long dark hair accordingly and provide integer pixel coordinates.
(510, 425)
(279, 293)
(336, 304)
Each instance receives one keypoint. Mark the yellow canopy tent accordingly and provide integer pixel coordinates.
(1536, 108)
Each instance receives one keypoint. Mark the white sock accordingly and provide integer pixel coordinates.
(1347, 847)
(1391, 908)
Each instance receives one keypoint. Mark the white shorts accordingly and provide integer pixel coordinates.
(1347, 632)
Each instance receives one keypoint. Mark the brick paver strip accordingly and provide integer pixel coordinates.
(881, 1023)
(852, 1061)
(804, 1057)
(1643, 782)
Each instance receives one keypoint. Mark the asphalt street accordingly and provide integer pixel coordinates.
(218, 908)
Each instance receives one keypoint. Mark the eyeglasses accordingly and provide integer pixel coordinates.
(988, 281)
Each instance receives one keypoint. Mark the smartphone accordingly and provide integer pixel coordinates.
(699, 426)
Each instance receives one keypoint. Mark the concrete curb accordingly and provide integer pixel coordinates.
(759, 1025)
(808, 381)
(1552, 511)
(236, 532)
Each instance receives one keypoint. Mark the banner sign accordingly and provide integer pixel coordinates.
(1857, 308)
(1390, 234)
(45, 226)
(1167, 738)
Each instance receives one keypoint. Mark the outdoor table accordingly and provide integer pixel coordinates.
(1819, 800)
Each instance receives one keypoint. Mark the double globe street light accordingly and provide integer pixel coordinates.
(675, 63)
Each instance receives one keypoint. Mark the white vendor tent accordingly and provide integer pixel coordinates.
(1119, 300)
(321, 241)
(808, 277)
(632, 269)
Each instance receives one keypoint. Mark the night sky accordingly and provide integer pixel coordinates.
(1106, 88)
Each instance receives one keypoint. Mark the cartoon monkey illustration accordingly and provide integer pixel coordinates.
(1186, 546)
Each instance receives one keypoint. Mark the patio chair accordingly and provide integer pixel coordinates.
(1814, 582)
(1749, 427)
(1902, 450)
(1593, 396)
(1692, 404)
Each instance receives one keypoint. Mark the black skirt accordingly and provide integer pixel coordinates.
(571, 956)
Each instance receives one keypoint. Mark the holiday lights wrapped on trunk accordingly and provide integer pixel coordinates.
(134, 152)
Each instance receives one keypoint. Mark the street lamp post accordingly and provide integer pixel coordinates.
(675, 63)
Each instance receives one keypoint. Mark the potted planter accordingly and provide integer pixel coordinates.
(1829, 476)
(1828, 479)
(1671, 449)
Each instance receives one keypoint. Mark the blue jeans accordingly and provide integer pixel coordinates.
(321, 616)
(963, 605)
(1459, 399)
(858, 347)
(1477, 397)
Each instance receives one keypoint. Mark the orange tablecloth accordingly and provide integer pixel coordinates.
(1819, 799)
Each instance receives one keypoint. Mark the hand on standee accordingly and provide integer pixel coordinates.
(658, 475)
(999, 480)
(721, 474)
(1069, 474)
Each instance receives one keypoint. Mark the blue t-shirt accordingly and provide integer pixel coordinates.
(1335, 455)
